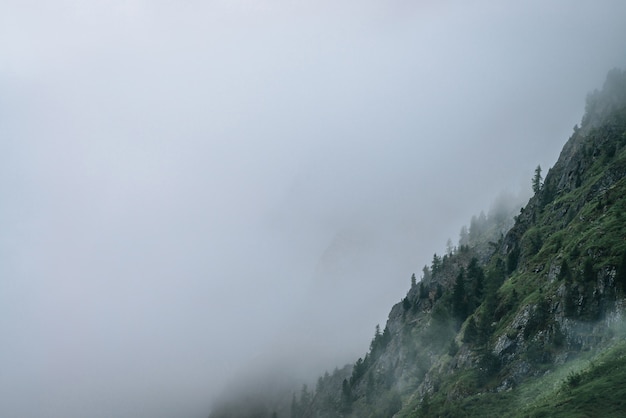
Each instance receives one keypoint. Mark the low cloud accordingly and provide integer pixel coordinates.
(193, 189)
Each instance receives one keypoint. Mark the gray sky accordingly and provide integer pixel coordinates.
(190, 190)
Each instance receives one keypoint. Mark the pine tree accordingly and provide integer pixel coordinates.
(436, 264)
(423, 292)
(476, 277)
(346, 396)
(537, 180)
(459, 300)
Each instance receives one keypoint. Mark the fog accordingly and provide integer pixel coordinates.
(191, 190)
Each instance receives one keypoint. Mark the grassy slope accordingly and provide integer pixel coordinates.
(597, 390)
(590, 386)
(594, 230)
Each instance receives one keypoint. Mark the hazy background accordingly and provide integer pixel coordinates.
(193, 190)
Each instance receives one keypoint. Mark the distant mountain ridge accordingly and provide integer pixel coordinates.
(517, 324)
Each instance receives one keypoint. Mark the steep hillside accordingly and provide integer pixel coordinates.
(528, 323)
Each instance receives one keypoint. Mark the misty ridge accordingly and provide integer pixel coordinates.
(270, 385)
(210, 202)
(524, 317)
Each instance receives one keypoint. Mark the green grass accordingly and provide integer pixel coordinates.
(598, 390)
(589, 386)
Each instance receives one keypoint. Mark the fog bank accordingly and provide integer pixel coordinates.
(193, 190)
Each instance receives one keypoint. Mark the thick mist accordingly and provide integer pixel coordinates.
(196, 191)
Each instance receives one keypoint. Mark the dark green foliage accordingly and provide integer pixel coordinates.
(416, 304)
(565, 273)
(537, 352)
(471, 332)
(360, 367)
(464, 249)
(512, 259)
(575, 253)
(589, 274)
(377, 346)
(620, 276)
(439, 292)
(571, 301)
(488, 365)
(548, 191)
(493, 280)
(459, 298)
(377, 335)
(537, 180)
(406, 304)
(424, 408)
(423, 294)
(573, 379)
(532, 242)
(346, 397)
(440, 315)
(495, 277)
(436, 264)
(476, 278)
(609, 150)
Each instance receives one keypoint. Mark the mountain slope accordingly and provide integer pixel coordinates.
(505, 325)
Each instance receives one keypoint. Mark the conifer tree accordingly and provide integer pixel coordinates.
(537, 180)
(459, 300)
(423, 292)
